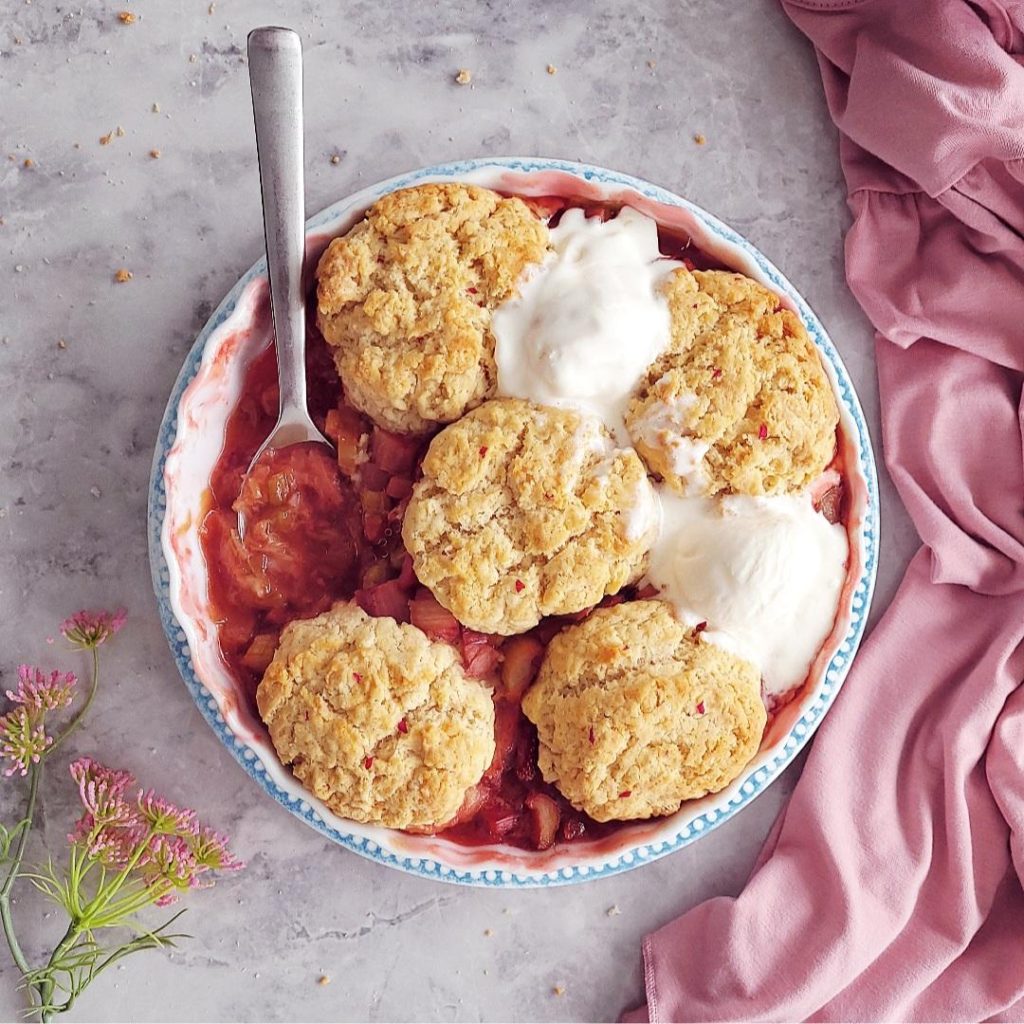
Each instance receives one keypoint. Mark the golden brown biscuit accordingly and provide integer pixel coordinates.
(636, 713)
(739, 402)
(525, 511)
(376, 720)
(405, 299)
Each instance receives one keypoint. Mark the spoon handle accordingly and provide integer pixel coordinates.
(275, 74)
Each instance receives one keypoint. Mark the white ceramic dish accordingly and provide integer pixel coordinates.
(190, 441)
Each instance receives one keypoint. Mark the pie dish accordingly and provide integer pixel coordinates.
(221, 375)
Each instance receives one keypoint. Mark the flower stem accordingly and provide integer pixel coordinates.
(35, 772)
(80, 714)
(46, 987)
(107, 892)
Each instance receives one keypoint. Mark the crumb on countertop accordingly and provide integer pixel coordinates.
(558, 990)
(155, 108)
(335, 159)
(323, 979)
(122, 275)
(126, 18)
(28, 162)
(464, 77)
(61, 343)
(488, 932)
(155, 154)
(552, 69)
(652, 64)
(613, 910)
(700, 139)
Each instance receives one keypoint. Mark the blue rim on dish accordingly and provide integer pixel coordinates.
(641, 853)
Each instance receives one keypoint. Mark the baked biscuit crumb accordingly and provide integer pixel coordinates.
(333, 697)
(670, 718)
(740, 401)
(405, 299)
(525, 511)
(127, 18)
(464, 76)
(122, 275)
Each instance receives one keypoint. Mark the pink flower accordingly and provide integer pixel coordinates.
(170, 867)
(23, 741)
(169, 848)
(88, 629)
(23, 738)
(112, 845)
(164, 818)
(211, 851)
(39, 692)
(102, 792)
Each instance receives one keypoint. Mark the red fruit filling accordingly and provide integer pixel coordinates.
(479, 653)
(436, 621)
(521, 659)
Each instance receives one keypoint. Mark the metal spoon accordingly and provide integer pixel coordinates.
(275, 74)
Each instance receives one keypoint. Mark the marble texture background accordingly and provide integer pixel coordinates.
(86, 365)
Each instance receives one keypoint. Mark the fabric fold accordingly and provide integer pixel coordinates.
(891, 886)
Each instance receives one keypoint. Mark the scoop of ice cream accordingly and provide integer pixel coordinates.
(588, 322)
(764, 573)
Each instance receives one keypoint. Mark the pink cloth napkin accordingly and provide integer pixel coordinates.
(891, 885)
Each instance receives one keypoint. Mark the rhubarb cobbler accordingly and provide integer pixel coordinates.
(584, 536)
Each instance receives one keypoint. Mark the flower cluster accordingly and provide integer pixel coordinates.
(23, 736)
(130, 849)
(88, 629)
(164, 846)
(40, 692)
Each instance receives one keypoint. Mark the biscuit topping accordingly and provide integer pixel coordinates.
(549, 523)
(652, 751)
(589, 322)
(739, 402)
(405, 299)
